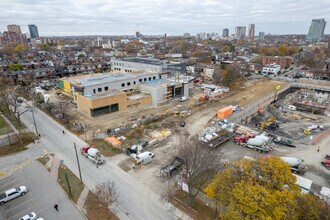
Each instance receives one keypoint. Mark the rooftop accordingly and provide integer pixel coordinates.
(104, 94)
(144, 60)
(91, 80)
(159, 83)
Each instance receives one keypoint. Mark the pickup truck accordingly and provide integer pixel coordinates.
(12, 194)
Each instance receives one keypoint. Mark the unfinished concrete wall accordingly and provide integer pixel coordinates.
(246, 114)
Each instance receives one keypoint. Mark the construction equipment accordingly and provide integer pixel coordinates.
(295, 164)
(285, 142)
(270, 123)
(243, 138)
(172, 168)
(326, 162)
(260, 143)
(93, 154)
(221, 138)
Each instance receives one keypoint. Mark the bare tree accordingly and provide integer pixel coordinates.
(199, 164)
(107, 195)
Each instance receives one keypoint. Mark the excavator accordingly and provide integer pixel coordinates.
(270, 122)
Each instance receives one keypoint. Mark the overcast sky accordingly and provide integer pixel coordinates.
(114, 17)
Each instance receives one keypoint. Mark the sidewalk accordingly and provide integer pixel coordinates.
(54, 167)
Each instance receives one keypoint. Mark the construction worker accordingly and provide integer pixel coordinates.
(318, 149)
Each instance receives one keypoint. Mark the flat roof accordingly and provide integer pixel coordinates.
(143, 60)
(102, 78)
(104, 94)
(157, 83)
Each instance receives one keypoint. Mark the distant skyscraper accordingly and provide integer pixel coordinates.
(225, 32)
(138, 34)
(252, 28)
(186, 35)
(240, 32)
(316, 30)
(261, 35)
(33, 29)
(14, 28)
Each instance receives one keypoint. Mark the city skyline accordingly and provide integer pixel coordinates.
(63, 18)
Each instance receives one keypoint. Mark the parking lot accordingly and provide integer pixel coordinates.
(42, 194)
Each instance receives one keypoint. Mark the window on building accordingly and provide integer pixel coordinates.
(145, 79)
(129, 83)
(94, 91)
(123, 85)
(134, 82)
(149, 78)
(99, 89)
(160, 77)
(106, 88)
(140, 80)
(154, 77)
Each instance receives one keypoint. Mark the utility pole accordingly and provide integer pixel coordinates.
(35, 124)
(75, 149)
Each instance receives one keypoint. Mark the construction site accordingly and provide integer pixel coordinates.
(262, 119)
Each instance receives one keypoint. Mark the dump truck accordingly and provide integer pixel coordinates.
(259, 143)
(295, 164)
(93, 154)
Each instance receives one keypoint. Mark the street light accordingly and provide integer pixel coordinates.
(35, 124)
(29, 108)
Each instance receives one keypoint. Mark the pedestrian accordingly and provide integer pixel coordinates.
(39, 135)
(56, 207)
(133, 166)
(63, 131)
(225, 164)
(318, 149)
(97, 165)
(33, 141)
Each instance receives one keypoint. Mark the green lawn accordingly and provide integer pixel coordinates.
(4, 126)
(3, 123)
(75, 185)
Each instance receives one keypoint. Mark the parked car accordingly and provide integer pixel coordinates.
(12, 194)
(184, 98)
(291, 107)
(31, 216)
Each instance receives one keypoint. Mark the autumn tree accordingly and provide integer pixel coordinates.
(44, 47)
(217, 74)
(198, 164)
(256, 189)
(6, 84)
(20, 48)
(106, 194)
(230, 75)
(8, 50)
(14, 67)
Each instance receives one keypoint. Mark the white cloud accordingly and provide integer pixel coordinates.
(77, 17)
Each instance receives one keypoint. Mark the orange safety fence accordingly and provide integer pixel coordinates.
(318, 138)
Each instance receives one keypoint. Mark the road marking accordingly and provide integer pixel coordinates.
(20, 180)
(9, 210)
(25, 211)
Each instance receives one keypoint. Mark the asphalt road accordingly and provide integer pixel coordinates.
(39, 199)
(135, 201)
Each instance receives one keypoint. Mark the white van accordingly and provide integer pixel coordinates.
(145, 157)
(291, 107)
